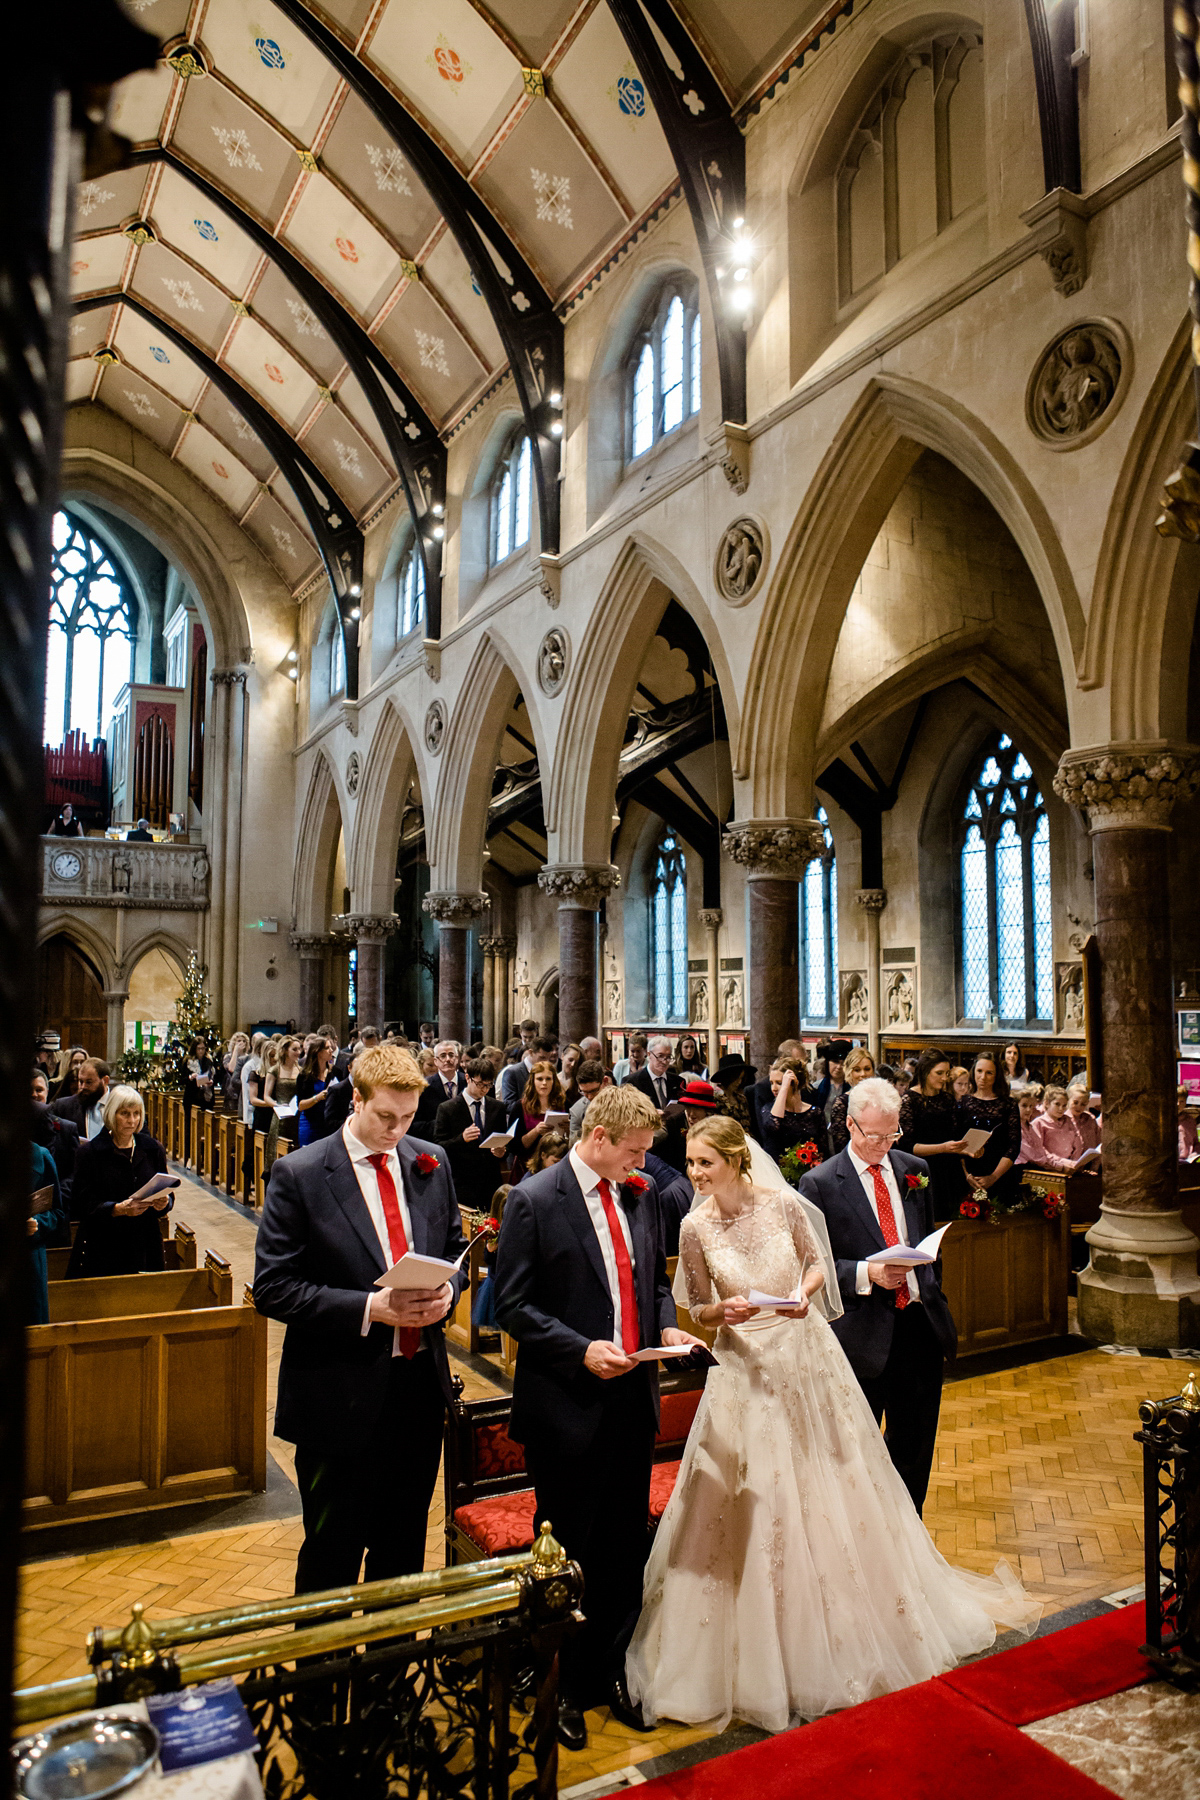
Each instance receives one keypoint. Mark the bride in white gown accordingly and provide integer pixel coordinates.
(790, 1574)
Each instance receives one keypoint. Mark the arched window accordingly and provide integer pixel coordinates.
(915, 162)
(664, 368)
(512, 493)
(337, 659)
(89, 649)
(819, 935)
(668, 931)
(410, 591)
(1004, 875)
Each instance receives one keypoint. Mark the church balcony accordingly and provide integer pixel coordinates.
(108, 872)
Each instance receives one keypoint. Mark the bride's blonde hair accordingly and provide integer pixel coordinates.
(728, 1140)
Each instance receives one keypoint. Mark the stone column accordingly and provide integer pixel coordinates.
(455, 914)
(774, 854)
(873, 901)
(231, 756)
(488, 947)
(506, 954)
(579, 889)
(371, 932)
(114, 1000)
(712, 919)
(312, 979)
(1141, 1285)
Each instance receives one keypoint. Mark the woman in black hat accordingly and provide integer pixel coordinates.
(733, 1075)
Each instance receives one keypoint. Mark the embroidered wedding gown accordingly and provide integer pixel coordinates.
(790, 1574)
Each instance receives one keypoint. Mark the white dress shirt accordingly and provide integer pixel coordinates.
(93, 1116)
(862, 1284)
(368, 1180)
(589, 1183)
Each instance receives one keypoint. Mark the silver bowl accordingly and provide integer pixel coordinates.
(90, 1755)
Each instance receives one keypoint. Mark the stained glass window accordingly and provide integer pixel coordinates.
(664, 367)
(511, 497)
(818, 935)
(1006, 942)
(89, 648)
(668, 931)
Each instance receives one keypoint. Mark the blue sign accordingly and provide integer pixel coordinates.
(201, 1724)
(269, 52)
(159, 354)
(207, 230)
(631, 96)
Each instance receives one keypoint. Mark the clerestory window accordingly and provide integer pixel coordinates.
(664, 368)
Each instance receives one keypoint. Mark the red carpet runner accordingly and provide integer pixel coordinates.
(954, 1738)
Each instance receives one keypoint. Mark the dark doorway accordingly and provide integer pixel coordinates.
(71, 997)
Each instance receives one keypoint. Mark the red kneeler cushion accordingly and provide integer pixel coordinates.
(496, 1453)
(502, 1526)
(676, 1413)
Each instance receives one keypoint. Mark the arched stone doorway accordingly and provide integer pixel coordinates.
(71, 996)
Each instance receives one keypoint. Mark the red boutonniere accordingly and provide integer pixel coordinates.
(637, 1184)
(426, 1164)
(917, 1181)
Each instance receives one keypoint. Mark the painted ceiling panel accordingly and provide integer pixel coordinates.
(182, 295)
(264, 55)
(271, 372)
(145, 407)
(107, 202)
(347, 458)
(558, 207)
(536, 25)
(81, 372)
(352, 254)
(450, 273)
(448, 61)
(367, 163)
(167, 19)
(143, 347)
(87, 331)
(351, 396)
(185, 218)
(599, 85)
(277, 532)
(217, 467)
(420, 339)
(227, 423)
(289, 315)
(98, 264)
(139, 101)
(221, 135)
(748, 41)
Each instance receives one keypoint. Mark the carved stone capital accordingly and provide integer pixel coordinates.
(455, 909)
(711, 917)
(497, 946)
(229, 677)
(1128, 786)
(1059, 224)
(582, 885)
(732, 443)
(872, 900)
(372, 928)
(550, 568)
(432, 652)
(309, 944)
(782, 848)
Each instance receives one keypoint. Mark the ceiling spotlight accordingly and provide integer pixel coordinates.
(556, 428)
(355, 589)
(354, 612)
(438, 509)
(740, 274)
(556, 399)
(740, 298)
(439, 533)
(738, 222)
(292, 674)
(293, 656)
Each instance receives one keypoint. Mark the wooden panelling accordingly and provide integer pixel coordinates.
(1007, 1282)
(129, 1296)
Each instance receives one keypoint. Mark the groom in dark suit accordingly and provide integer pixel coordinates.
(897, 1329)
(364, 1379)
(581, 1283)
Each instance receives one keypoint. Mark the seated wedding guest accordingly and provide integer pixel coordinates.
(928, 1129)
(960, 1081)
(119, 1233)
(543, 1094)
(461, 1127)
(625, 1066)
(1016, 1071)
(1186, 1119)
(140, 833)
(1090, 1128)
(43, 1228)
(793, 1119)
(85, 1109)
(1028, 1105)
(859, 1065)
(590, 1077)
(687, 1060)
(1059, 1141)
(56, 1135)
(990, 1107)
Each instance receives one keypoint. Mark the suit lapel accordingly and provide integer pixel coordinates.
(414, 1193)
(575, 1207)
(912, 1203)
(339, 1172)
(855, 1193)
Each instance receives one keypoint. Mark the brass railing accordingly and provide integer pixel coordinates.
(1170, 1440)
(349, 1687)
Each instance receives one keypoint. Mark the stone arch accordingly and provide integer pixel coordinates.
(157, 939)
(65, 922)
(892, 421)
(316, 846)
(1144, 595)
(388, 769)
(600, 690)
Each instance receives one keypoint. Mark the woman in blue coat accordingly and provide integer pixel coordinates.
(43, 1228)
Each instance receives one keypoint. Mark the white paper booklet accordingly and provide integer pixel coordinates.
(660, 1352)
(286, 1109)
(915, 1255)
(554, 1119)
(1092, 1156)
(157, 1184)
(774, 1302)
(413, 1271)
(975, 1140)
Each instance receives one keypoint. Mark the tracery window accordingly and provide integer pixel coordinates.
(512, 494)
(89, 648)
(819, 935)
(664, 368)
(1004, 874)
(668, 931)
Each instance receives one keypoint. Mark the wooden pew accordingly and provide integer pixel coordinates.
(179, 1251)
(144, 1391)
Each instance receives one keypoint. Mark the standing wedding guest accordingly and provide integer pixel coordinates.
(118, 1233)
(1186, 1117)
(581, 1284)
(311, 1083)
(46, 1056)
(929, 1130)
(42, 1229)
(662, 1085)
(250, 1078)
(960, 1081)
(568, 1070)
(760, 1098)
(590, 1077)
(1028, 1105)
(793, 1119)
(68, 1084)
(625, 1066)
(236, 1051)
(592, 1048)
(1016, 1070)
(66, 824)
(543, 1094)
(1088, 1125)
(85, 1109)
(832, 1087)
(1056, 1135)
(990, 1107)
(280, 1090)
(197, 1085)
(59, 1136)
(427, 1034)
(687, 1061)
(734, 1078)
(446, 1084)
(364, 1380)
(461, 1127)
(896, 1329)
(858, 1065)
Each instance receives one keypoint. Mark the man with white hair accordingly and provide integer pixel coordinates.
(897, 1329)
(662, 1085)
(447, 1083)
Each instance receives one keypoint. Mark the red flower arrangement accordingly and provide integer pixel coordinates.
(916, 1181)
(637, 1184)
(970, 1209)
(426, 1164)
(1051, 1207)
(800, 1157)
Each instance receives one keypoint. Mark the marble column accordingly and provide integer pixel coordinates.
(712, 919)
(579, 889)
(873, 901)
(114, 1000)
(371, 932)
(1141, 1286)
(455, 914)
(774, 854)
(311, 950)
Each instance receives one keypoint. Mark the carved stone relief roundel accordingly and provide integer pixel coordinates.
(741, 561)
(353, 771)
(1078, 383)
(435, 726)
(553, 659)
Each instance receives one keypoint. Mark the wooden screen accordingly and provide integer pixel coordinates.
(71, 999)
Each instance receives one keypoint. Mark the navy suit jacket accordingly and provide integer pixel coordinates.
(317, 1258)
(865, 1328)
(433, 1096)
(552, 1295)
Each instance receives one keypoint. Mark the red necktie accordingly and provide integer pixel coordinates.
(631, 1335)
(887, 1224)
(408, 1337)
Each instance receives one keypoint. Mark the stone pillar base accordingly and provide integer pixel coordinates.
(1141, 1287)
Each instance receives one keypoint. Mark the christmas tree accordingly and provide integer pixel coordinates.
(191, 1020)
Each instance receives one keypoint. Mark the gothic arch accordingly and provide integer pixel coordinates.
(892, 421)
(158, 939)
(323, 816)
(388, 770)
(65, 922)
(600, 690)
